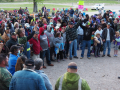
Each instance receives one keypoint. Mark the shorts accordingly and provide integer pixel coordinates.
(116, 47)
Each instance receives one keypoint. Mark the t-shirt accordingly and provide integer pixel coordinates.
(108, 35)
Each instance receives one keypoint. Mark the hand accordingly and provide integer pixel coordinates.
(69, 42)
(103, 40)
(35, 28)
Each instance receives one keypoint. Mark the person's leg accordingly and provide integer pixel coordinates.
(89, 45)
(98, 52)
(42, 55)
(48, 56)
(51, 53)
(109, 47)
(105, 45)
(67, 48)
(78, 42)
(70, 49)
(81, 40)
(83, 48)
(61, 55)
(75, 47)
(95, 51)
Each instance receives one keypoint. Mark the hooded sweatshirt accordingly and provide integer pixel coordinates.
(70, 82)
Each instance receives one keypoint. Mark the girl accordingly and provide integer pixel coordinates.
(58, 43)
(116, 44)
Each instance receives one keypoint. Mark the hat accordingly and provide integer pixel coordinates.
(27, 25)
(56, 27)
(108, 23)
(36, 32)
(51, 23)
(87, 23)
(71, 23)
(13, 33)
(29, 62)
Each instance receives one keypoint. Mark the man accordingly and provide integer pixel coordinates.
(56, 18)
(38, 69)
(71, 80)
(20, 11)
(5, 76)
(87, 38)
(27, 79)
(71, 35)
(35, 46)
(13, 40)
(107, 37)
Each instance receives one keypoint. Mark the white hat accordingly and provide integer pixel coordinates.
(27, 25)
(56, 27)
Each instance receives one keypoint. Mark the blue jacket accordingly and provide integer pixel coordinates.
(27, 80)
(12, 62)
(46, 79)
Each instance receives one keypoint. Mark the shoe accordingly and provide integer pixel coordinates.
(52, 60)
(98, 55)
(76, 57)
(118, 77)
(108, 55)
(89, 57)
(114, 55)
(44, 67)
(50, 65)
(81, 57)
(103, 55)
(70, 58)
(58, 60)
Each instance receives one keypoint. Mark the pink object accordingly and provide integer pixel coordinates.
(80, 6)
(86, 9)
(54, 9)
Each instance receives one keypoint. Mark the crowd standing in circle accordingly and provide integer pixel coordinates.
(26, 40)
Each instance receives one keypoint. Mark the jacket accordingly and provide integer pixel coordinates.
(27, 80)
(117, 40)
(5, 37)
(96, 41)
(35, 45)
(112, 33)
(46, 79)
(70, 82)
(11, 42)
(71, 33)
(12, 62)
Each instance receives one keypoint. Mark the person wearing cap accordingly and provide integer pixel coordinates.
(38, 68)
(107, 37)
(71, 80)
(27, 30)
(13, 59)
(5, 75)
(71, 36)
(35, 46)
(87, 38)
(103, 24)
(27, 79)
(6, 35)
(12, 41)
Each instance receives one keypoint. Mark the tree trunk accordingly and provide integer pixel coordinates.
(35, 6)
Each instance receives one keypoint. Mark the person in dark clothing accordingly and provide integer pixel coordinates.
(43, 9)
(20, 11)
(13, 40)
(115, 25)
(106, 15)
(87, 38)
(2, 29)
(103, 24)
(71, 12)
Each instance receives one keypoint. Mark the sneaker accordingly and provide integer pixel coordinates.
(50, 65)
(81, 57)
(44, 67)
(76, 57)
(103, 55)
(98, 55)
(89, 57)
(108, 55)
(114, 55)
(70, 58)
(118, 77)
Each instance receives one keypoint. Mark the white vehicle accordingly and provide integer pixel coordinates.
(98, 6)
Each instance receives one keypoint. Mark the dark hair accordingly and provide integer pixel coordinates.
(13, 48)
(2, 57)
(23, 58)
(57, 34)
(99, 26)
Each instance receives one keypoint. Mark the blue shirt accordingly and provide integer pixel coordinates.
(80, 31)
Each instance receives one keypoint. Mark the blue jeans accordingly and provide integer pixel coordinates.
(107, 44)
(79, 40)
(84, 43)
(47, 54)
(73, 43)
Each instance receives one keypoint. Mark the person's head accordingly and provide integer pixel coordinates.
(14, 35)
(24, 58)
(21, 32)
(44, 21)
(98, 35)
(102, 21)
(3, 60)
(16, 24)
(87, 24)
(56, 15)
(32, 23)
(38, 64)
(27, 26)
(99, 27)
(29, 64)
(63, 29)
(36, 34)
(57, 28)
(58, 34)
(117, 34)
(115, 21)
(71, 24)
(108, 25)
(14, 49)
(72, 67)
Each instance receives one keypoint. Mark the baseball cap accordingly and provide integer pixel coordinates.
(87, 23)
(56, 27)
(108, 23)
(13, 33)
(71, 23)
(29, 62)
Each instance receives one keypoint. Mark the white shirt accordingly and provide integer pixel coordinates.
(108, 34)
(80, 31)
(100, 32)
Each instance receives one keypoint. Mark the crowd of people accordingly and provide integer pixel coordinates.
(26, 40)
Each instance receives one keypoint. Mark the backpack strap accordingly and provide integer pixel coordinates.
(60, 83)
(79, 84)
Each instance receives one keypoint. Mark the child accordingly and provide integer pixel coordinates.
(116, 44)
(58, 43)
(64, 40)
(97, 44)
(92, 42)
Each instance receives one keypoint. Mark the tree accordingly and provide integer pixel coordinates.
(35, 9)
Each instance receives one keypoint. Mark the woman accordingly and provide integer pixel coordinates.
(45, 24)
(99, 30)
